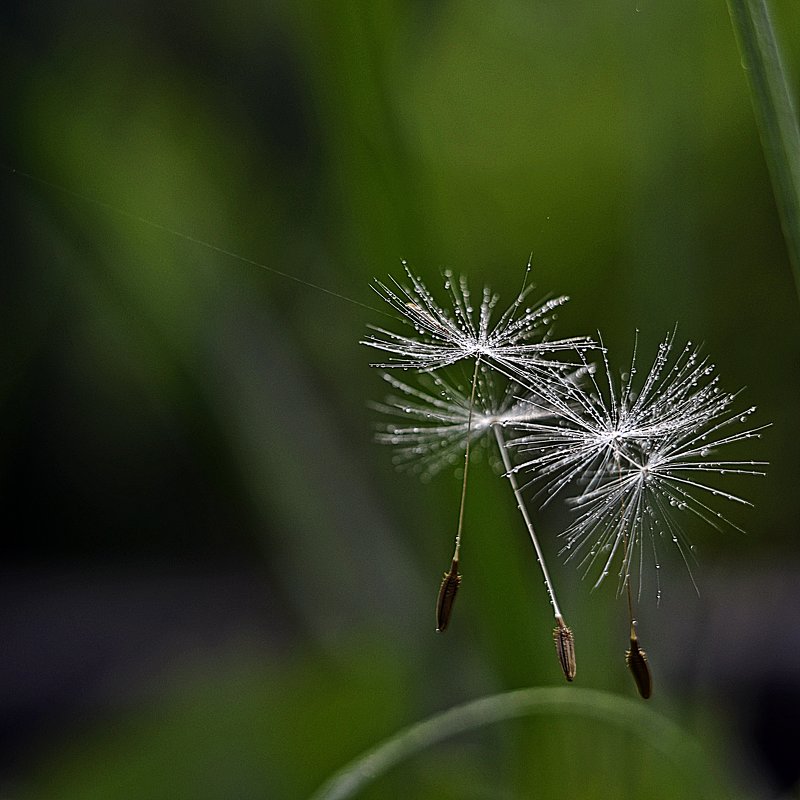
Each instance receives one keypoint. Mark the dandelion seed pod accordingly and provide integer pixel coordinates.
(565, 648)
(636, 659)
(447, 596)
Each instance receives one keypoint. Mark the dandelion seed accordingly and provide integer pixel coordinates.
(643, 461)
(447, 591)
(517, 340)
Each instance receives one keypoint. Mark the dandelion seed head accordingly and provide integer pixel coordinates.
(644, 461)
(517, 339)
(428, 424)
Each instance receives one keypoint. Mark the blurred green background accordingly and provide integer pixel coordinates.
(215, 584)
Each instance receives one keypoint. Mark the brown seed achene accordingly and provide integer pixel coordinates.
(447, 596)
(565, 648)
(636, 659)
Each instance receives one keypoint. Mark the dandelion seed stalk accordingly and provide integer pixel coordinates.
(512, 479)
(466, 460)
(562, 634)
(635, 657)
(452, 579)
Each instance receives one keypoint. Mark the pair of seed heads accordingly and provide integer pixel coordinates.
(633, 459)
(516, 344)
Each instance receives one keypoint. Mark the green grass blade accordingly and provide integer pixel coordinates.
(660, 733)
(775, 114)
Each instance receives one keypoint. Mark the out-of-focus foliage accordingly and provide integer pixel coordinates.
(215, 583)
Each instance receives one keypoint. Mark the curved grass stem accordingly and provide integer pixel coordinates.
(657, 731)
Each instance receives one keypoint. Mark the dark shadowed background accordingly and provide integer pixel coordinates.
(214, 583)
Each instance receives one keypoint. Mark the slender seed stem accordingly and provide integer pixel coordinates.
(451, 579)
(466, 461)
(635, 658)
(562, 635)
(512, 479)
(628, 586)
(625, 563)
